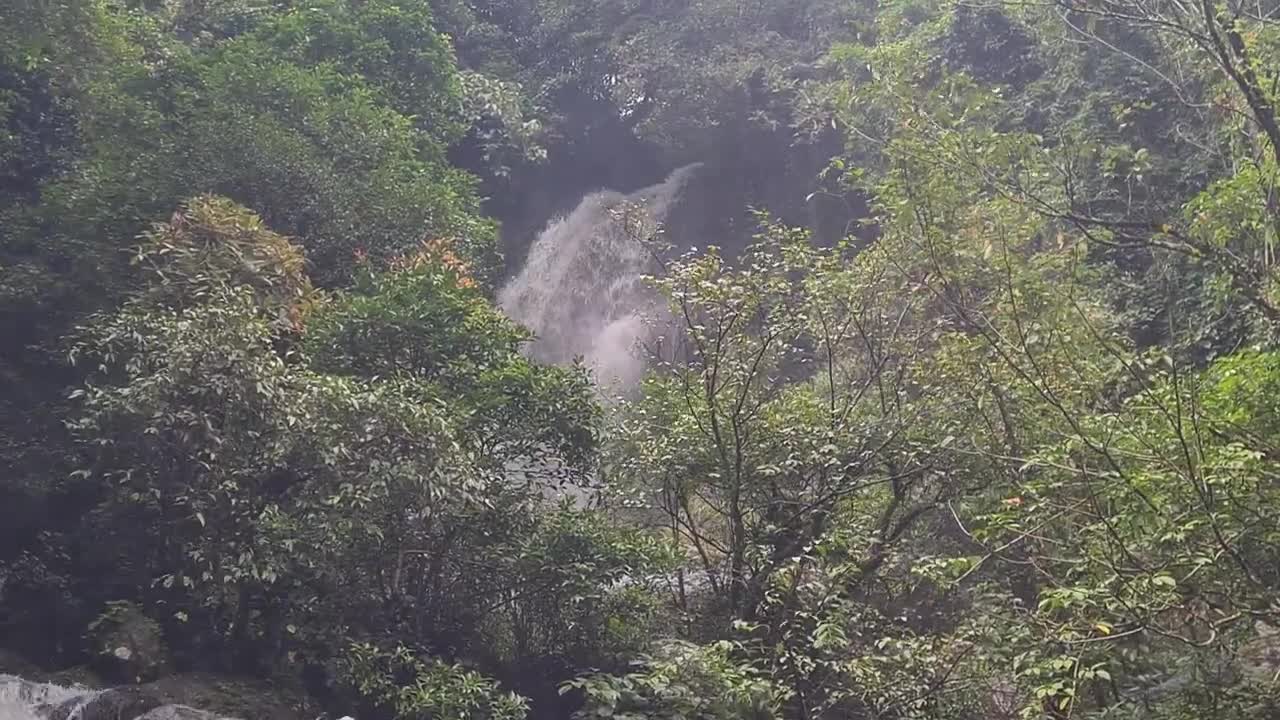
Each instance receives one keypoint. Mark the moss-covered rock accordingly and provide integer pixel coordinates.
(128, 646)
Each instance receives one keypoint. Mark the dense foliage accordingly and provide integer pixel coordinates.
(974, 417)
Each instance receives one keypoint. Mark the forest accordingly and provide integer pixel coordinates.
(955, 337)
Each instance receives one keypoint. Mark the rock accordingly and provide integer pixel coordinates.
(124, 703)
(29, 700)
(233, 697)
(128, 646)
(179, 712)
(79, 676)
(59, 710)
(176, 697)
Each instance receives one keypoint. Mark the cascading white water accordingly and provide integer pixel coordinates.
(25, 700)
(29, 700)
(581, 289)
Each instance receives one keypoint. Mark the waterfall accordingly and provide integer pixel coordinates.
(31, 700)
(24, 700)
(581, 290)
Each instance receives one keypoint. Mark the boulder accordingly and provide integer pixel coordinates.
(124, 703)
(179, 712)
(234, 697)
(78, 676)
(128, 646)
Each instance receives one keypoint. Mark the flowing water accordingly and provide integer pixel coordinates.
(24, 700)
(581, 289)
(29, 700)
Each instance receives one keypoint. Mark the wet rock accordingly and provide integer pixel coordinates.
(59, 710)
(233, 697)
(179, 712)
(177, 697)
(117, 704)
(78, 676)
